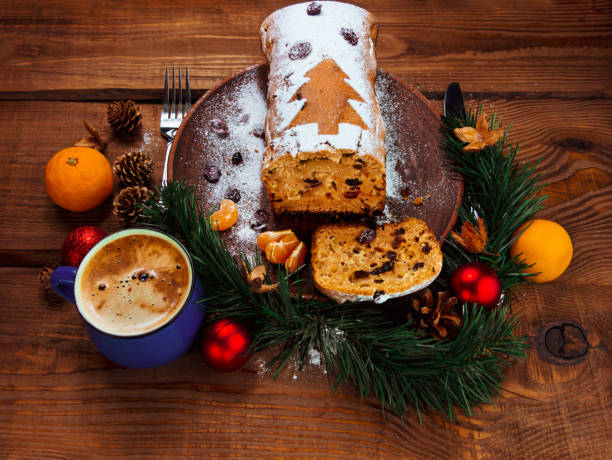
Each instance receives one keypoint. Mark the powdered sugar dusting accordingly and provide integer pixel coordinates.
(410, 157)
(414, 159)
(244, 113)
(291, 25)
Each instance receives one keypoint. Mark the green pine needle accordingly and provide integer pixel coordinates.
(359, 345)
(498, 189)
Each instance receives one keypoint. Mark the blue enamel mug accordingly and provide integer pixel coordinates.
(144, 349)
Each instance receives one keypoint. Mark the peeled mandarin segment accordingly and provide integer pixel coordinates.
(278, 252)
(225, 217)
(265, 238)
(297, 257)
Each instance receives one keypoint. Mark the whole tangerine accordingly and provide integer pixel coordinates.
(78, 178)
(547, 245)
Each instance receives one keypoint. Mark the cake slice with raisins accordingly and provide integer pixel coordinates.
(325, 136)
(354, 263)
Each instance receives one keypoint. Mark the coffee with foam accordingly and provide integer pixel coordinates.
(134, 283)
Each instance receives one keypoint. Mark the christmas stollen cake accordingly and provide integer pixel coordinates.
(324, 132)
(356, 263)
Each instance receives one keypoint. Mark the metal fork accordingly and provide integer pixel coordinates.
(172, 115)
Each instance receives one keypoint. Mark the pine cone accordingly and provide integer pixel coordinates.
(124, 117)
(133, 168)
(45, 276)
(440, 321)
(125, 204)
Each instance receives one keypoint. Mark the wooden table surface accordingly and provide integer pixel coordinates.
(546, 65)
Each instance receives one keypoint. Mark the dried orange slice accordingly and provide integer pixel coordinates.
(277, 252)
(296, 259)
(263, 239)
(225, 217)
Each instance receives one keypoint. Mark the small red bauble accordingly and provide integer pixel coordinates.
(224, 345)
(476, 282)
(78, 243)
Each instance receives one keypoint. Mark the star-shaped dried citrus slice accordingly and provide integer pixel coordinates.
(472, 239)
(479, 137)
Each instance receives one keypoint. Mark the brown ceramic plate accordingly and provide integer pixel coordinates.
(416, 167)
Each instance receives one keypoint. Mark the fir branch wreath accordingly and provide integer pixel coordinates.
(393, 361)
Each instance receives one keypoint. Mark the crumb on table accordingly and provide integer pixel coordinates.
(418, 201)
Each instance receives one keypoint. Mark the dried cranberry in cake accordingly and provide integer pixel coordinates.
(349, 35)
(353, 182)
(313, 9)
(233, 194)
(300, 51)
(260, 220)
(237, 158)
(219, 127)
(259, 132)
(397, 241)
(212, 174)
(386, 267)
(426, 248)
(312, 182)
(367, 236)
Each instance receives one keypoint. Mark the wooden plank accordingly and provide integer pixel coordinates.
(58, 397)
(78, 50)
(543, 65)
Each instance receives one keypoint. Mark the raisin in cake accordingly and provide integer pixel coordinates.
(355, 263)
(324, 132)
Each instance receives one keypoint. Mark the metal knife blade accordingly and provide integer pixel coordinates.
(453, 101)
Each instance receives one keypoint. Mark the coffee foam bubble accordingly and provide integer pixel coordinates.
(133, 283)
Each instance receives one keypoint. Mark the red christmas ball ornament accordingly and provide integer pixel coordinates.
(224, 345)
(475, 282)
(78, 243)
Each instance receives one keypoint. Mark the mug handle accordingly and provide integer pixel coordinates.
(62, 282)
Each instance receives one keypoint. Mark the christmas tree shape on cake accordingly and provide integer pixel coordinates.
(327, 97)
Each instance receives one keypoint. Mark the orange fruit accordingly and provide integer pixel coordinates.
(282, 247)
(277, 252)
(263, 239)
(225, 217)
(296, 259)
(78, 178)
(545, 244)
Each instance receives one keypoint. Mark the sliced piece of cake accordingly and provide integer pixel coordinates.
(354, 263)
